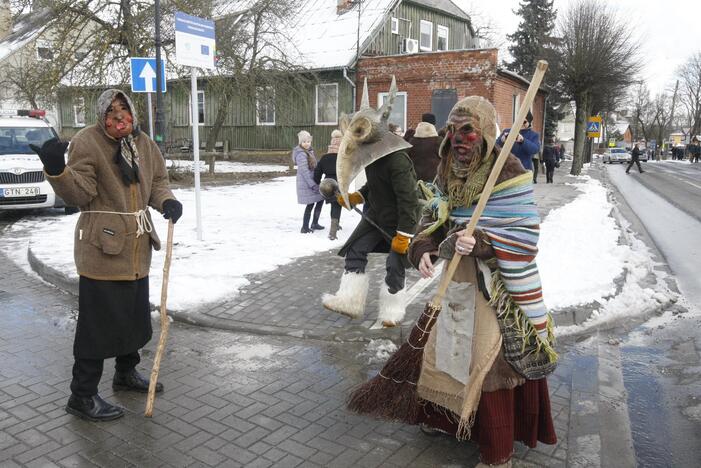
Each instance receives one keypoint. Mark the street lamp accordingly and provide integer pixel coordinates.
(159, 137)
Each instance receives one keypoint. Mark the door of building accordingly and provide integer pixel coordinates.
(442, 102)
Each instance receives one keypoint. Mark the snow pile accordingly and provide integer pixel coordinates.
(225, 167)
(247, 229)
(579, 256)
(378, 351)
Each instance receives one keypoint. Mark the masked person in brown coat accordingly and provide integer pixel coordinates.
(424, 151)
(114, 173)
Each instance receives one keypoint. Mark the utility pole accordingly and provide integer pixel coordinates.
(160, 118)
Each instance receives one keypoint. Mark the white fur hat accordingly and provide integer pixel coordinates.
(425, 130)
(304, 136)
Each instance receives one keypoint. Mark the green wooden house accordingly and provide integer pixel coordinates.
(328, 37)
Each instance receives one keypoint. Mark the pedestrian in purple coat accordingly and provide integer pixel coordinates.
(307, 190)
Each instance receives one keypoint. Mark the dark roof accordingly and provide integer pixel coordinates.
(446, 6)
(517, 77)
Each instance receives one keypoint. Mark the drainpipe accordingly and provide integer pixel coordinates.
(345, 75)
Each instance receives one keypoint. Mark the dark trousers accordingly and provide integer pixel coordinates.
(630, 164)
(549, 171)
(535, 170)
(373, 241)
(87, 372)
(336, 210)
(308, 213)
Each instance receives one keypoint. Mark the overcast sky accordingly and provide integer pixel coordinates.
(669, 30)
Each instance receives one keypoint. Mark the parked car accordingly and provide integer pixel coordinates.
(616, 155)
(22, 181)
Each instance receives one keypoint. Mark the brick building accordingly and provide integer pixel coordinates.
(433, 82)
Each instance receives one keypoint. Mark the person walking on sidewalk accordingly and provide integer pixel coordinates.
(468, 387)
(391, 202)
(307, 190)
(114, 173)
(550, 159)
(327, 168)
(635, 159)
(694, 150)
(527, 145)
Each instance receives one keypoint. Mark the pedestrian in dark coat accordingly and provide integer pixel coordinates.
(424, 151)
(694, 150)
(327, 168)
(550, 159)
(527, 144)
(114, 173)
(307, 190)
(635, 159)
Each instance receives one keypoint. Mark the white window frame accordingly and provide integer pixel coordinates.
(266, 89)
(200, 92)
(515, 105)
(78, 103)
(445, 29)
(381, 100)
(44, 44)
(316, 105)
(394, 25)
(428, 48)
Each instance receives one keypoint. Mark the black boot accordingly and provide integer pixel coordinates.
(317, 227)
(133, 381)
(93, 408)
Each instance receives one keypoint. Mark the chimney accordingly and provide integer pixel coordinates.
(5, 19)
(344, 5)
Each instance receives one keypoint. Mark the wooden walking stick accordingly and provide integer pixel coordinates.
(392, 394)
(165, 324)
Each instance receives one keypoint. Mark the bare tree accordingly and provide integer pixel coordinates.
(598, 57)
(690, 91)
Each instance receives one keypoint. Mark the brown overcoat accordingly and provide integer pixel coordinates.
(106, 246)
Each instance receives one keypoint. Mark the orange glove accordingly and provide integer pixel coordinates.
(355, 198)
(400, 243)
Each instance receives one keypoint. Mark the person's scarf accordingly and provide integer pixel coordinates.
(511, 221)
(127, 159)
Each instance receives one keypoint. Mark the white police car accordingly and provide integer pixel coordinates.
(22, 182)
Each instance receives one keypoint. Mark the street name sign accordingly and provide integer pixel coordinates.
(194, 41)
(594, 127)
(143, 75)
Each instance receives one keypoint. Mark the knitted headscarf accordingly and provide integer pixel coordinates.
(127, 156)
(463, 182)
(336, 136)
(303, 136)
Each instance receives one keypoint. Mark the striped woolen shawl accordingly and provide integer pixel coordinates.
(511, 221)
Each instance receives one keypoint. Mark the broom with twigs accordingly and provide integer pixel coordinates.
(165, 324)
(392, 394)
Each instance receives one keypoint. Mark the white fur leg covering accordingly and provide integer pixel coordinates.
(351, 295)
(392, 307)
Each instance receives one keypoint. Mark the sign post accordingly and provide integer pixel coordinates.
(143, 80)
(194, 47)
(594, 127)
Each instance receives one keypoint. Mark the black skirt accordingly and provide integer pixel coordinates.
(114, 318)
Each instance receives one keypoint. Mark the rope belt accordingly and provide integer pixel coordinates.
(143, 225)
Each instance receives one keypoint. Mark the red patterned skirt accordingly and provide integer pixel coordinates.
(503, 416)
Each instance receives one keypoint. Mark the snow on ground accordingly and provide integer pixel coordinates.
(378, 351)
(226, 166)
(247, 229)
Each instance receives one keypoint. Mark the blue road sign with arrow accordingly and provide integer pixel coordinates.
(143, 75)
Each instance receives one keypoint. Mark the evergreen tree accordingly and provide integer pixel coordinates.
(533, 41)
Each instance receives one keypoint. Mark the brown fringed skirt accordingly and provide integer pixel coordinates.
(521, 414)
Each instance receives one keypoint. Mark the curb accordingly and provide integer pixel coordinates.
(351, 333)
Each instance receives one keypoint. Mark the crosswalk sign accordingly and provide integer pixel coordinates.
(594, 127)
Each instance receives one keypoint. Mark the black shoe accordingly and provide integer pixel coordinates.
(305, 230)
(642, 172)
(93, 408)
(429, 431)
(317, 227)
(133, 381)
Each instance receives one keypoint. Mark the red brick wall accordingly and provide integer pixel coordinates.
(471, 72)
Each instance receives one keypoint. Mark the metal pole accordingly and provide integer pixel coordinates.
(196, 150)
(150, 114)
(159, 136)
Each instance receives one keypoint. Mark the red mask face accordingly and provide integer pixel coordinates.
(118, 119)
(464, 140)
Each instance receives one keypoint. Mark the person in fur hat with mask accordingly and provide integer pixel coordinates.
(327, 168)
(114, 174)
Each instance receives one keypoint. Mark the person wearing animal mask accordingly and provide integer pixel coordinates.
(391, 202)
(114, 173)
(478, 378)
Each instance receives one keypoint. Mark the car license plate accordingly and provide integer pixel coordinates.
(19, 192)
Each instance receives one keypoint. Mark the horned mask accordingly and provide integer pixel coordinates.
(366, 138)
